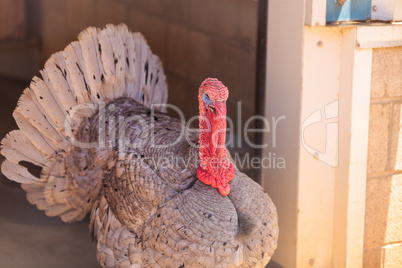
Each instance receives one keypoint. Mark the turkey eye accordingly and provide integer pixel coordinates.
(206, 99)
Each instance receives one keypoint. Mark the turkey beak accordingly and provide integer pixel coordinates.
(219, 126)
(212, 109)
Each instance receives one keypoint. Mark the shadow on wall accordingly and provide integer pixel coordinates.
(273, 264)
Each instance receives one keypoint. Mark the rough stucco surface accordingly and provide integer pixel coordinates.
(383, 221)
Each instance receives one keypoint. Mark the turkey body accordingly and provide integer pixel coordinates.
(163, 216)
(133, 168)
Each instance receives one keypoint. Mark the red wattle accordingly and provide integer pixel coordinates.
(224, 190)
(217, 178)
(205, 177)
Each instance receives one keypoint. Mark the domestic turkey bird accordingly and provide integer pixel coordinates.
(158, 193)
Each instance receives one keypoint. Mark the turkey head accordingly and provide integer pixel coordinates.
(215, 168)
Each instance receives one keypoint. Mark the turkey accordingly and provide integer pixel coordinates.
(159, 194)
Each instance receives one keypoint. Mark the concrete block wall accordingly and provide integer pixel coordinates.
(383, 221)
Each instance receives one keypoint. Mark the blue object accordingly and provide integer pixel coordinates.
(206, 99)
(351, 10)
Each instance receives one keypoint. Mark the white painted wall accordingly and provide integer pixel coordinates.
(320, 90)
(283, 96)
(386, 10)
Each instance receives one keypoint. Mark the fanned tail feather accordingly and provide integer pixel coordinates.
(102, 66)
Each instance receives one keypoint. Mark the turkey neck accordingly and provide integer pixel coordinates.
(215, 168)
(213, 132)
